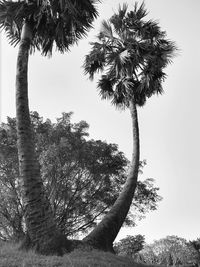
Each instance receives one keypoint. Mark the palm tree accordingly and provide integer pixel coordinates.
(131, 54)
(39, 25)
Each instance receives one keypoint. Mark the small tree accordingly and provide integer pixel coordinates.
(130, 245)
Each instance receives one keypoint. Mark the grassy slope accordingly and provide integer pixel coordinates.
(10, 256)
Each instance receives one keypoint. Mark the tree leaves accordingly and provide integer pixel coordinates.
(82, 177)
(168, 251)
(133, 51)
(130, 245)
(59, 23)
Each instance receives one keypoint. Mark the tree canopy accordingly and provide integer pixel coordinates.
(82, 177)
(53, 22)
(130, 245)
(171, 250)
(131, 54)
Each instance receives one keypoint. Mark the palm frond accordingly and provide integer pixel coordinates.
(150, 30)
(105, 86)
(11, 19)
(140, 12)
(168, 50)
(95, 61)
(131, 54)
(162, 53)
(61, 22)
(106, 30)
(66, 22)
(120, 96)
(117, 60)
(117, 20)
(122, 10)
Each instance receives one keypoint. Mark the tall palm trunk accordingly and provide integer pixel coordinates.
(104, 234)
(41, 228)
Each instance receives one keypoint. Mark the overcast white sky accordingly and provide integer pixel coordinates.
(169, 124)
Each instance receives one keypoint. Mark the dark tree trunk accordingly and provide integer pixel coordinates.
(104, 234)
(42, 232)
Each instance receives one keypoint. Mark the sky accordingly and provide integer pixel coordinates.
(169, 124)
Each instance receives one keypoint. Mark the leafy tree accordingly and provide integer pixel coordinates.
(82, 177)
(10, 195)
(147, 255)
(39, 25)
(170, 251)
(130, 245)
(195, 244)
(131, 54)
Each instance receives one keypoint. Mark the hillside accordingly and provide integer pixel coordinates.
(10, 256)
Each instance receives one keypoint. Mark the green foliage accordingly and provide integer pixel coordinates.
(195, 244)
(11, 210)
(53, 22)
(130, 245)
(171, 250)
(131, 53)
(82, 177)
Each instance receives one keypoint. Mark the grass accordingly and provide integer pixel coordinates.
(10, 256)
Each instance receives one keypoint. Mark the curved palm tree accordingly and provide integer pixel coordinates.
(131, 54)
(39, 25)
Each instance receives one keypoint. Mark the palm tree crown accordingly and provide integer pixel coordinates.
(131, 54)
(61, 22)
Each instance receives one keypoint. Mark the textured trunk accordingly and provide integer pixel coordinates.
(42, 232)
(104, 234)
(18, 233)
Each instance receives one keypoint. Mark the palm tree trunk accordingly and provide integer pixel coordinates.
(104, 234)
(40, 225)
